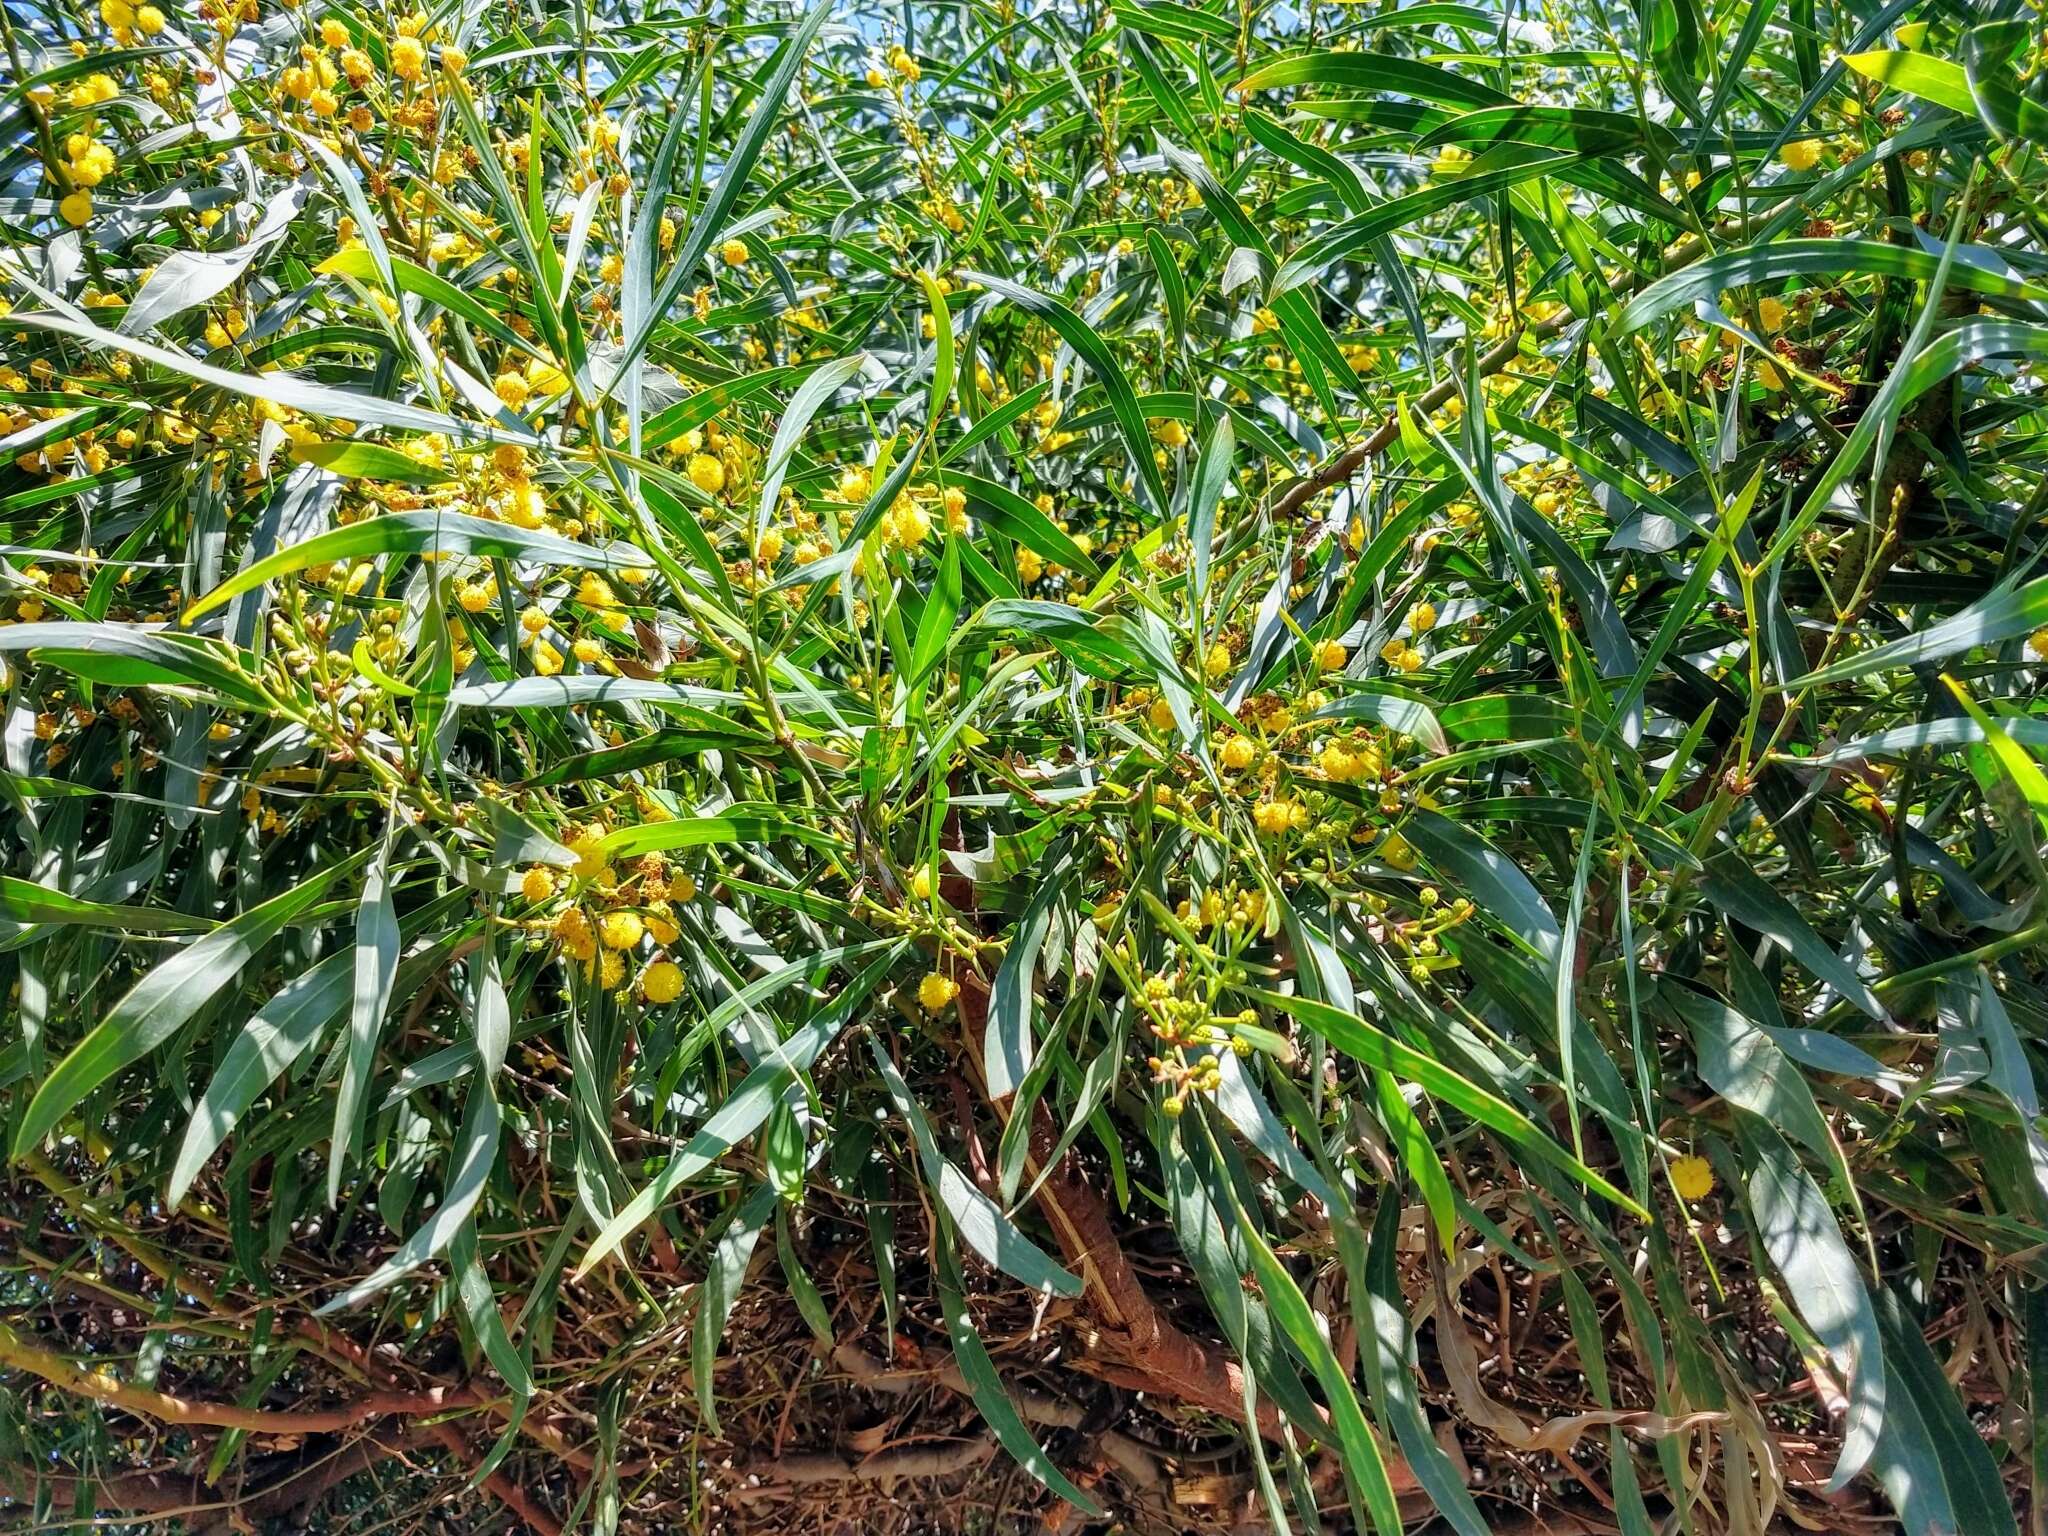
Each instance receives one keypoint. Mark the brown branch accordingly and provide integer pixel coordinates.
(100, 1387)
(810, 1468)
(1129, 1457)
(1158, 1355)
(1335, 472)
(67, 1376)
(134, 1493)
(329, 1343)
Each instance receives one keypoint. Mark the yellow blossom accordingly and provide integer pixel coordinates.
(1800, 154)
(621, 930)
(936, 991)
(707, 473)
(662, 982)
(408, 57)
(1692, 1176)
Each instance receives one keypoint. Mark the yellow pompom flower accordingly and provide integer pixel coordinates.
(527, 506)
(1800, 155)
(537, 884)
(76, 208)
(572, 932)
(707, 473)
(595, 592)
(1217, 662)
(662, 982)
(408, 57)
(2037, 642)
(1692, 1176)
(621, 930)
(333, 33)
(512, 389)
(148, 20)
(588, 845)
(1238, 753)
(921, 885)
(1772, 313)
(453, 60)
(936, 991)
(1422, 618)
(734, 253)
(1273, 816)
(1330, 656)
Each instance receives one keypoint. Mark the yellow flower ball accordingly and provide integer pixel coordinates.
(1800, 155)
(408, 57)
(621, 930)
(1422, 618)
(1772, 312)
(148, 20)
(512, 389)
(1330, 656)
(921, 885)
(2037, 642)
(537, 884)
(1217, 662)
(936, 991)
(1273, 816)
(662, 982)
(707, 473)
(734, 253)
(1238, 753)
(588, 846)
(333, 33)
(76, 208)
(1692, 1176)
(595, 592)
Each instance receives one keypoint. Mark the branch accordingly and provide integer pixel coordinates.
(1160, 1357)
(1130, 1458)
(101, 1387)
(882, 1467)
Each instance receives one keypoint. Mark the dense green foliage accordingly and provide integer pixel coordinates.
(1182, 763)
